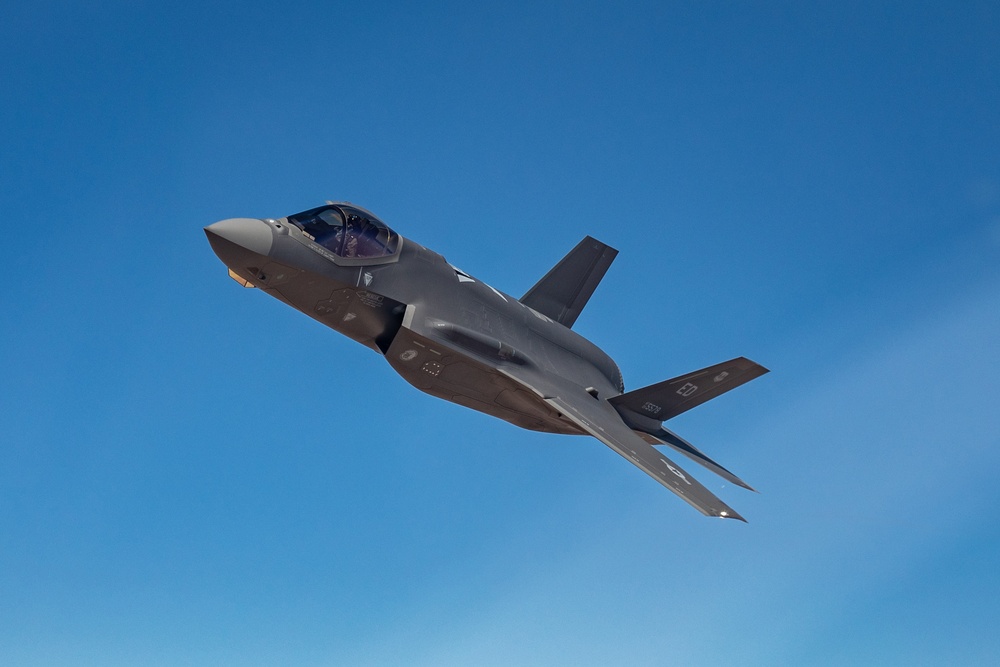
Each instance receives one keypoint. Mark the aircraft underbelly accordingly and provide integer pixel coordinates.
(365, 316)
(459, 378)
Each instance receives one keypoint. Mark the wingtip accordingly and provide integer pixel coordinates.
(731, 514)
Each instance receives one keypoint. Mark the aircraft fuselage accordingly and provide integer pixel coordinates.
(369, 299)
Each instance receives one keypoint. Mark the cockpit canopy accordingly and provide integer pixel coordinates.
(347, 232)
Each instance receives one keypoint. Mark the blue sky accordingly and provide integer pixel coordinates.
(192, 473)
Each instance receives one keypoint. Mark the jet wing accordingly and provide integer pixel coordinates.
(599, 419)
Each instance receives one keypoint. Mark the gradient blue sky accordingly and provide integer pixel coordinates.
(192, 473)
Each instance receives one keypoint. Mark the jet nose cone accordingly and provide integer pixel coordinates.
(246, 234)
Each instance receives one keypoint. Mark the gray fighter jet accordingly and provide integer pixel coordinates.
(455, 337)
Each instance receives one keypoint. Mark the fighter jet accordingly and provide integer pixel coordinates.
(455, 337)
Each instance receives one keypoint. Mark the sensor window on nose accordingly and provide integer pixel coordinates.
(242, 281)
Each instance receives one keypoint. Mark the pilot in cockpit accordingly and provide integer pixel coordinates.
(353, 227)
(347, 232)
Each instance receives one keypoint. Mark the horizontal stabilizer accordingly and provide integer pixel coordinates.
(565, 290)
(670, 398)
(687, 449)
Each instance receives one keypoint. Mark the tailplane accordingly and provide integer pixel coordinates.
(663, 436)
(665, 400)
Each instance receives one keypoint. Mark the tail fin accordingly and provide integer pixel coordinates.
(665, 400)
(565, 290)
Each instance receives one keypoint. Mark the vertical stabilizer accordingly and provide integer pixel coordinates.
(565, 290)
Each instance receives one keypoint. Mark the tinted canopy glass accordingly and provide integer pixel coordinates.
(347, 231)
